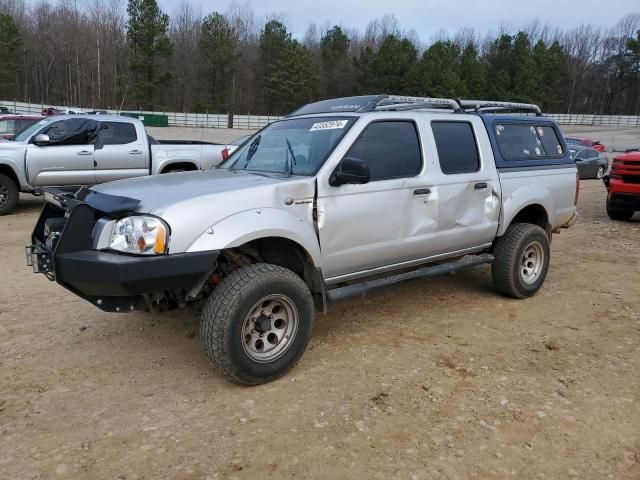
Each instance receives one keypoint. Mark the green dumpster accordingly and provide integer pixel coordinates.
(149, 119)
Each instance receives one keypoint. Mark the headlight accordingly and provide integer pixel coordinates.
(140, 235)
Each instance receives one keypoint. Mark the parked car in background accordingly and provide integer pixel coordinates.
(12, 124)
(75, 150)
(590, 162)
(623, 186)
(584, 142)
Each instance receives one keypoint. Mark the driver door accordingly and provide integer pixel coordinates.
(60, 164)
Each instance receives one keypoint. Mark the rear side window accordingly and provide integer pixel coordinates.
(519, 141)
(457, 148)
(392, 150)
(118, 133)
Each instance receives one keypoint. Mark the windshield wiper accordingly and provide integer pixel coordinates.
(289, 165)
(252, 150)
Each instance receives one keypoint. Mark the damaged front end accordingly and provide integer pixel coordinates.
(68, 247)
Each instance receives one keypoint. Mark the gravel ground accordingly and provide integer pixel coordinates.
(438, 378)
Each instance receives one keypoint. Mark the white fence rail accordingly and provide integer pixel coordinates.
(252, 122)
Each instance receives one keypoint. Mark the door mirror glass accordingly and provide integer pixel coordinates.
(351, 170)
(41, 139)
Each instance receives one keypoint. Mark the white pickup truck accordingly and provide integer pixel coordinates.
(339, 197)
(86, 150)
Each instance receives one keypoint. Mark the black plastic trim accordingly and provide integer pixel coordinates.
(96, 273)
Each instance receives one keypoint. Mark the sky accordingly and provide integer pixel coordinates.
(428, 17)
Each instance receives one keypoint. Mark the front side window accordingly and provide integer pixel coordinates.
(390, 148)
(72, 131)
(298, 146)
(519, 141)
(117, 133)
(457, 148)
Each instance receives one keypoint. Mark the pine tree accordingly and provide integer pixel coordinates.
(218, 56)
(149, 44)
(522, 68)
(337, 69)
(392, 65)
(10, 50)
(472, 73)
(499, 79)
(439, 71)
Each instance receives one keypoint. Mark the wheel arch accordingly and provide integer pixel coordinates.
(9, 172)
(178, 165)
(529, 204)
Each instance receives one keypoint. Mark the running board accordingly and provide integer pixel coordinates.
(430, 271)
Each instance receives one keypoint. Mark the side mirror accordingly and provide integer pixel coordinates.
(41, 140)
(351, 170)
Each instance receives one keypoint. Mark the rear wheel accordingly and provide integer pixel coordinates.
(600, 172)
(521, 260)
(9, 194)
(257, 323)
(620, 214)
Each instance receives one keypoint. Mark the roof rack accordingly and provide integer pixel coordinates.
(398, 102)
(373, 103)
(489, 106)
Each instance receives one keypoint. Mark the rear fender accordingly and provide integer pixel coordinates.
(243, 227)
(530, 194)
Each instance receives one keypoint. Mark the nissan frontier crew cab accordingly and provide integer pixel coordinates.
(66, 150)
(339, 197)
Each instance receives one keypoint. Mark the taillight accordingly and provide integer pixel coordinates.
(225, 153)
(575, 200)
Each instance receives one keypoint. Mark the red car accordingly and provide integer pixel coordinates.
(12, 124)
(623, 185)
(584, 142)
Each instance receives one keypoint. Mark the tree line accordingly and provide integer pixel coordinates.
(117, 55)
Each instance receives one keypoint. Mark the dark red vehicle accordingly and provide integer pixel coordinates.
(623, 185)
(12, 124)
(584, 142)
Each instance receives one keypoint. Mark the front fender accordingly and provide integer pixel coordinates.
(530, 194)
(243, 227)
(16, 165)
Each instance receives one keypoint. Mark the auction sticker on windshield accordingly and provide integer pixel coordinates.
(332, 125)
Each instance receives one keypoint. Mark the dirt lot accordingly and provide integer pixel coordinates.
(436, 378)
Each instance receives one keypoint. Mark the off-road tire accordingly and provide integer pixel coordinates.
(622, 215)
(13, 194)
(225, 312)
(509, 250)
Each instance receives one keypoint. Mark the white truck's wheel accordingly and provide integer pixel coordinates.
(257, 323)
(521, 260)
(9, 195)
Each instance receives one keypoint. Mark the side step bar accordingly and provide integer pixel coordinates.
(360, 288)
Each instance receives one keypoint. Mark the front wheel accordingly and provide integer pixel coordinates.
(9, 194)
(521, 260)
(622, 215)
(257, 323)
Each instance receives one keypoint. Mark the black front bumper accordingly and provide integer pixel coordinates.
(111, 281)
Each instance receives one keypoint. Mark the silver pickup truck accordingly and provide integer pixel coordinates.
(90, 149)
(340, 197)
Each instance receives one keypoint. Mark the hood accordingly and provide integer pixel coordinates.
(191, 202)
(159, 192)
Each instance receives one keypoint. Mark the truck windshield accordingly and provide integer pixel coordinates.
(24, 134)
(297, 146)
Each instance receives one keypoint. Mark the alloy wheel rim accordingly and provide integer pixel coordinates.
(531, 263)
(600, 172)
(269, 328)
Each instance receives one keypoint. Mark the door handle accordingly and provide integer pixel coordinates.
(422, 191)
(480, 186)
(135, 152)
(84, 152)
